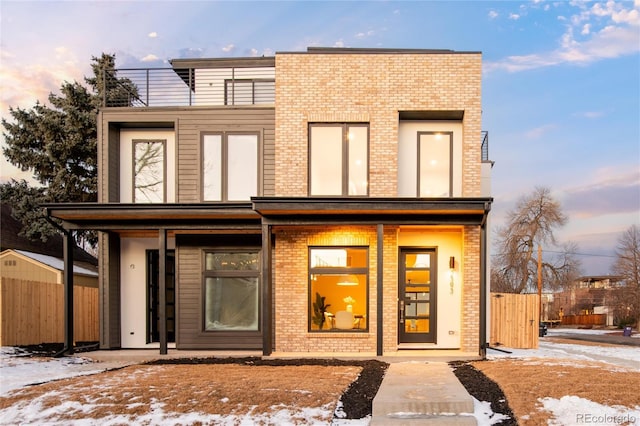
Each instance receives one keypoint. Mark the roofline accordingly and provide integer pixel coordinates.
(375, 50)
(229, 62)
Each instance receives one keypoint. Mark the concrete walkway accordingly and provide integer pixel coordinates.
(424, 393)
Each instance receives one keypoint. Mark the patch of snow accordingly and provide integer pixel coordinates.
(573, 410)
(484, 414)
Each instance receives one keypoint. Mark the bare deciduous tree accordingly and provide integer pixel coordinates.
(627, 266)
(531, 224)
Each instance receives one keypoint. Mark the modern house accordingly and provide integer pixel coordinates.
(328, 201)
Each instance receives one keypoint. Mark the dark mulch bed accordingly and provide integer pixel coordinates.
(483, 389)
(357, 400)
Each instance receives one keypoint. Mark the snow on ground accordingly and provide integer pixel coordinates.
(17, 371)
(570, 410)
(558, 353)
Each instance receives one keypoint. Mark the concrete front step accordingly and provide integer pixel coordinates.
(422, 393)
(424, 420)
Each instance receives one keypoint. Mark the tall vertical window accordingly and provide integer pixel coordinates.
(339, 159)
(435, 178)
(231, 291)
(338, 283)
(149, 171)
(230, 166)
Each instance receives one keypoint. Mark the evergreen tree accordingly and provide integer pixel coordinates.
(58, 143)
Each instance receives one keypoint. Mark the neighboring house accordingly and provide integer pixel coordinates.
(29, 266)
(327, 201)
(39, 260)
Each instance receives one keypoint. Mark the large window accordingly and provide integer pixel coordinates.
(149, 171)
(231, 291)
(230, 166)
(338, 283)
(435, 177)
(339, 159)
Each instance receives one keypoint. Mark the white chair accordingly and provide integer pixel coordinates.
(344, 320)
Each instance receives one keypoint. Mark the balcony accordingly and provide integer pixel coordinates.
(485, 146)
(163, 87)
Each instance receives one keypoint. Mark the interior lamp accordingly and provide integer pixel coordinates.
(348, 280)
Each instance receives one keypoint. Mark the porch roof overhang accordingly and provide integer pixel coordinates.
(319, 210)
(127, 216)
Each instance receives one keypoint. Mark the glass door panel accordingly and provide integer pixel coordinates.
(417, 296)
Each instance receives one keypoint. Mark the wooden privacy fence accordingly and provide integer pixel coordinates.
(514, 320)
(32, 312)
(592, 319)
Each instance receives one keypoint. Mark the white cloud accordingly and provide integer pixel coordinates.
(362, 35)
(228, 48)
(253, 52)
(152, 34)
(538, 132)
(339, 43)
(493, 14)
(617, 34)
(589, 114)
(150, 58)
(514, 16)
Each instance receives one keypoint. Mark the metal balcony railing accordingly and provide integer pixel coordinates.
(152, 87)
(485, 145)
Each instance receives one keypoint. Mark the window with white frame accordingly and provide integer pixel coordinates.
(230, 170)
(231, 291)
(338, 159)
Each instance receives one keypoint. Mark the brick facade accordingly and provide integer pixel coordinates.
(372, 88)
(368, 88)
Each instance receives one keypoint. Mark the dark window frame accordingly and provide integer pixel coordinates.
(243, 273)
(345, 156)
(418, 156)
(134, 142)
(224, 152)
(230, 86)
(337, 270)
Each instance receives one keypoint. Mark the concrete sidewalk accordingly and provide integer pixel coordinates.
(422, 392)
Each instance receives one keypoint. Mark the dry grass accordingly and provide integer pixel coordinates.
(209, 389)
(525, 381)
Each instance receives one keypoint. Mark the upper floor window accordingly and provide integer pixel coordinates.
(339, 159)
(230, 166)
(149, 171)
(435, 150)
(249, 91)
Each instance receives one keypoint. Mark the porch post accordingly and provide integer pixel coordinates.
(267, 296)
(162, 289)
(67, 247)
(483, 289)
(379, 290)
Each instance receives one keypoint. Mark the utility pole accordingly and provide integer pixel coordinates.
(539, 284)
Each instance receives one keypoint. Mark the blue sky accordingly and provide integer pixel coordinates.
(561, 85)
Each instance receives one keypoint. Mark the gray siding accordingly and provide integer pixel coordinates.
(109, 290)
(188, 123)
